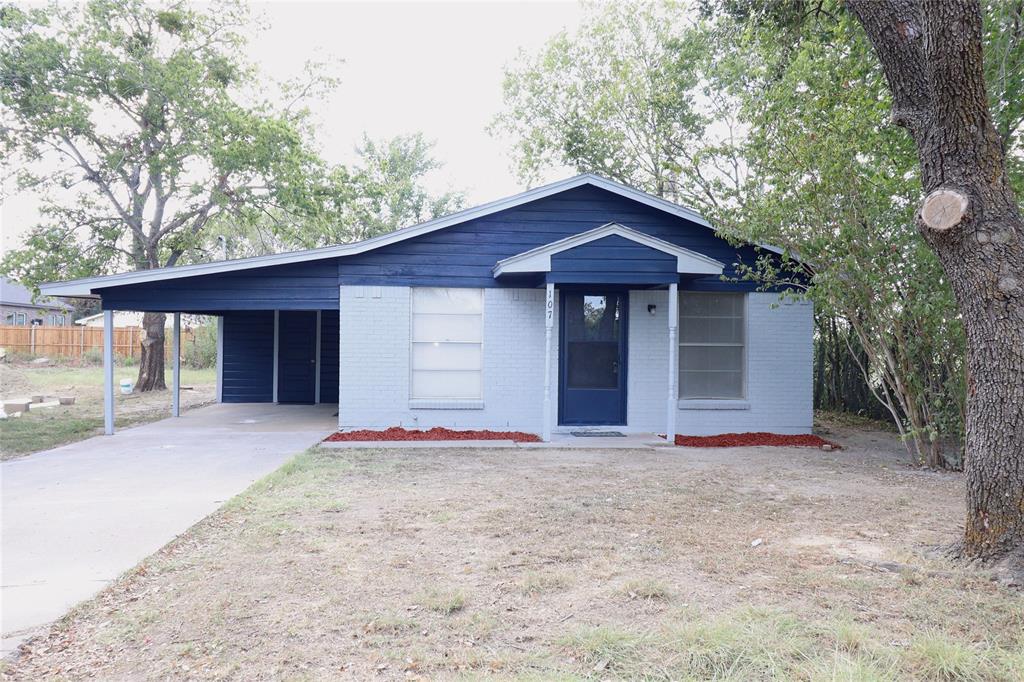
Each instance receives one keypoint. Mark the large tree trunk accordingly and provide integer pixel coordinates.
(931, 52)
(151, 363)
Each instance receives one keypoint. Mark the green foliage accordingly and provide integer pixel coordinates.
(383, 192)
(201, 350)
(623, 98)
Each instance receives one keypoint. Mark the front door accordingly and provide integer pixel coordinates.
(592, 358)
(296, 356)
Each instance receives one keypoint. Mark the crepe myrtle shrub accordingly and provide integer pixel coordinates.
(136, 124)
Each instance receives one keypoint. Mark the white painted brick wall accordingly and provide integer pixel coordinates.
(374, 370)
(780, 358)
(375, 373)
(647, 369)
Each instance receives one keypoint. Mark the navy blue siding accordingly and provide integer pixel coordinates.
(613, 260)
(297, 286)
(464, 254)
(460, 255)
(249, 357)
(329, 334)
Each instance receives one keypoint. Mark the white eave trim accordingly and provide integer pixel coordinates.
(539, 259)
(86, 287)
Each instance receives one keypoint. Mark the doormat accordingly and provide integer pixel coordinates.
(598, 434)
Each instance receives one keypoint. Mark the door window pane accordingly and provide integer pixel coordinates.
(592, 340)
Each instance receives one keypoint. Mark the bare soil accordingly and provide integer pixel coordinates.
(676, 563)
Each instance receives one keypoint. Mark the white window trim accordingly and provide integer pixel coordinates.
(449, 403)
(740, 402)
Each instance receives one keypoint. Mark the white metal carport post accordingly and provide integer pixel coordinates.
(108, 372)
(176, 367)
(673, 357)
(549, 321)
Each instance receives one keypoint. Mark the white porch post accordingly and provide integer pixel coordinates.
(549, 322)
(108, 372)
(220, 358)
(176, 366)
(316, 381)
(673, 358)
(277, 321)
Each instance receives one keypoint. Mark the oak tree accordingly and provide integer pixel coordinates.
(931, 53)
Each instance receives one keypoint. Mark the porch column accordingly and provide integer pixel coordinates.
(673, 359)
(316, 380)
(176, 367)
(220, 358)
(549, 322)
(108, 372)
(277, 322)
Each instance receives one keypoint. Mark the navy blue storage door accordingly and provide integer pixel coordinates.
(592, 359)
(296, 356)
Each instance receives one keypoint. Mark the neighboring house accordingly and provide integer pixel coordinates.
(580, 303)
(18, 308)
(130, 318)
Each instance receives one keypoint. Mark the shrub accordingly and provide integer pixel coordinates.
(201, 352)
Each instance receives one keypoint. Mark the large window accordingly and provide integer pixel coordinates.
(711, 357)
(447, 344)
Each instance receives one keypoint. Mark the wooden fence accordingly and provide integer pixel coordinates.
(77, 341)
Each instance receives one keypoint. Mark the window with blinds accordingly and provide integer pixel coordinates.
(447, 344)
(711, 345)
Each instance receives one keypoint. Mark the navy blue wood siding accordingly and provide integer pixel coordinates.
(613, 260)
(297, 286)
(329, 334)
(464, 254)
(249, 357)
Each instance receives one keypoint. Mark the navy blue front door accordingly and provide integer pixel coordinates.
(592, 358)
(296, 356)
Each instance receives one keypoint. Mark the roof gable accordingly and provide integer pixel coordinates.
(540, 259)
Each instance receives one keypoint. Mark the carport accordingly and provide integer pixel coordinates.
(277, 324)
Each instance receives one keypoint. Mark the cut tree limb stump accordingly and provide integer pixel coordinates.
(943, 209)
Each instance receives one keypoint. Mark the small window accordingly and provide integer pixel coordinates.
(447, 344)
(56, 320)
(20, 318)
(711, 345)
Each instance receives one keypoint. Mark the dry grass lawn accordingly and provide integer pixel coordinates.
(45, 428)
(560, 564)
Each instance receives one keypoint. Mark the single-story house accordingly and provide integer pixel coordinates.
(582, 303)
(18, 307)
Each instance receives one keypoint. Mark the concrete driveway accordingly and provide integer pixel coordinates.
(77, 516)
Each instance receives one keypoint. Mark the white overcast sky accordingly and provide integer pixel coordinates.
(408, 66)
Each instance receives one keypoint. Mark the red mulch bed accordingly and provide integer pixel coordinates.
(436, 433)
(735, 440)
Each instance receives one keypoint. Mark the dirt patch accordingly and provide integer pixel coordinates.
(546, 563)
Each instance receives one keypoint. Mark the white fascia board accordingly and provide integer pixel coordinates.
(539, 259)
(86, 287)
